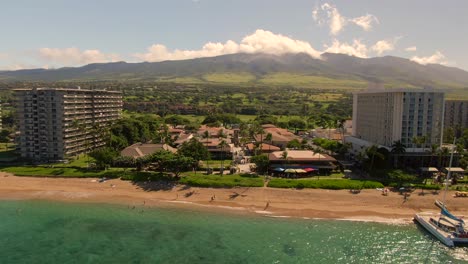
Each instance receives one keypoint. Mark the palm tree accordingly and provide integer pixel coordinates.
(206, 135)
(443, 153)
(222, 145)
(398, 149)
(420, 141)
(269, 138)
(373, 152)
(258, 129)
(433, 151)
(340, 124)
(318, 151)
(284, 156)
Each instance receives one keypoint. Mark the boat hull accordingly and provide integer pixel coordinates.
(424, 222)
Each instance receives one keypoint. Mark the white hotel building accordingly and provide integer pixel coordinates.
(382, 117)
(56, 123)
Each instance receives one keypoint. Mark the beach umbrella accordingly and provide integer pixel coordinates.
(301, 171)
(309, 169)
(290, 170)
(278, 169)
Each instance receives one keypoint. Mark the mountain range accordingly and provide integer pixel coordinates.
(333, 70)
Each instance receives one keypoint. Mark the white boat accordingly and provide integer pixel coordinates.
(449, 231)
(446, 227)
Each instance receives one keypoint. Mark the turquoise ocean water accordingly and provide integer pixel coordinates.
(52, 232)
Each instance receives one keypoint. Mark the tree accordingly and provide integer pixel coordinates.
(257, 129)
(175, 163)
(261, 162)
(103, 157)
(372, 152)
(443, 154)
(296, 123)
(223, 144)
(221, 133)
(4, 137)
(318, 151)
(195, 150)
(401, 178)
(294, 144)
(269, 138)
(398, 149)
(206, 135)
(420, 141)
(433, 151)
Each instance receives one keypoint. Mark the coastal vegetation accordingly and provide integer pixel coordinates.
(224, 181)
(333, 184)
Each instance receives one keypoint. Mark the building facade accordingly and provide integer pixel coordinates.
(456, 114)
(56, 123)
(385, 116)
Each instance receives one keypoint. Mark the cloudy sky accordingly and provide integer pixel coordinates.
(57, 33)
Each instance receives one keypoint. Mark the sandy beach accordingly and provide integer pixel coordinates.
(368, 205)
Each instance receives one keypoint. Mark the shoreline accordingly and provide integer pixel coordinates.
(367, 206)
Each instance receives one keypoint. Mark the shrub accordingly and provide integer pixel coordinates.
(427, 186)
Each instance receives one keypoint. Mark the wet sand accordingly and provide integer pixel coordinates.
(368, 205)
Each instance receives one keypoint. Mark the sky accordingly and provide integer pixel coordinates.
(62, 33)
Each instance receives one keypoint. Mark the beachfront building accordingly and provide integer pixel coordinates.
(139, 150)
(383, 117)
(56, 123)
(456, 115)
(301, 162)
(280, 137)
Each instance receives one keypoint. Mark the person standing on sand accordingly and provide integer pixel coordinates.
(405, 197)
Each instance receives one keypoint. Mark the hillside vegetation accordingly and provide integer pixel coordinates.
(333, 71)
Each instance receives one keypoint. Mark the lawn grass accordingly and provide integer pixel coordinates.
(81, 161)
(221, 181)
(214, 163)
(72, 172)
(333, 184)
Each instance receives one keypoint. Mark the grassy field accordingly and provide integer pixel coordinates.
(221, 181)
(312, 81)
(242, 77)
(244, 118)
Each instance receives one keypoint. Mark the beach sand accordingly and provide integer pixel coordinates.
(368, 205)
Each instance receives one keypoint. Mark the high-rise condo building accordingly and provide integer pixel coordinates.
(456, 114)
(385, 116)
(56, 123)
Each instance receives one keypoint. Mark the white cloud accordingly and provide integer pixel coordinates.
(328, 13)
(260, 41)
(436, 58)
(357, 48)
(365, 22)
(74, 56)
(382, 46)
(412, 48)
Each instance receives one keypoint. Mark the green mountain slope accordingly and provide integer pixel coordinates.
(333, 71)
